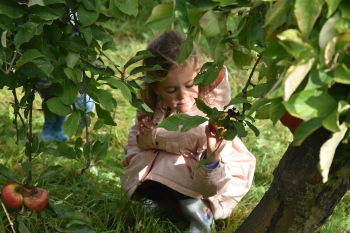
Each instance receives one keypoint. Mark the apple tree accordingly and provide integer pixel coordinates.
(300, 51)
(63, 43)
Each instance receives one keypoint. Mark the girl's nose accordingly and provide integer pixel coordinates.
(181, 94)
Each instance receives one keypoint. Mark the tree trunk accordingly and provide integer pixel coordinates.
(297, 200)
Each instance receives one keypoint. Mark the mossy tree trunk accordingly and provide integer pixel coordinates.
(298, 200)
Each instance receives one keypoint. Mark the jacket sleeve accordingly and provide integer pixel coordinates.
(227, 184)
(137, 162)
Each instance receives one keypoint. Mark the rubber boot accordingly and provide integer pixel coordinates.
(79, 104)
(53, 131)
(198, 213)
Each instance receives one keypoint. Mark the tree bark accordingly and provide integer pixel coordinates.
(298, 200)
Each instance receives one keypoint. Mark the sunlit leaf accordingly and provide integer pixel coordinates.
(162, 16)
(183, 121)
(331, 122)
(328, 31)
(181, 13)
(310, 103)
(342, 74)
(213, 23)
(328, 149)
(306, 13)
(294, 76)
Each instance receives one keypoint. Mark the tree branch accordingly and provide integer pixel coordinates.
(244, 91)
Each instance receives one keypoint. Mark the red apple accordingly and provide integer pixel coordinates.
(35, 198)
(290, 121)
(214, 127)
(11, 194)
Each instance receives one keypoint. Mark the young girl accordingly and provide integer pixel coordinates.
(160, 164)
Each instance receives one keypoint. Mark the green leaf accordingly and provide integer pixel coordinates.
(43, 12)
(87, 17)
(317, 79)
(263, 112)
(240, 129)
(56, 106)
(12, 9)
(51, 171)
(122, 86)
(213, 23)
(181, 13)
(310, 103)
(252, 127)
(306, 13)
(305, 129)
(89, 4)
(106, 115)
(129, 7)
(238, 100)
(332, 6)
(7, 172)
(26, 33)
(277, 110)
(327, 151)
(260, 102)
(7, 23)
(328, 31)
(78, 227)
(104, 98)
(98, 124)
(72, 59)
(99, 149)
(294, 76)
(342, 74)
(162, 16)
(70, 92)
(72, 74)
(27, 166)
(217, 48)
(241, 59)
(331, 122)
(28, 56)
(293, 42)
(209, 73)
(277, 14)
(71, 124)
(145, 69)
(75, 44)
(140, 55)
(185, 50)
(203, 107)
(66, 151)
(96, 70)
(183, 121)
(69, 213)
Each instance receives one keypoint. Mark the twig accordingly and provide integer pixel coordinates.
(12, 61)
(115, 65)
(30, 135)
(8, 217)
(42, 220)
(244, 91)
(17, 114)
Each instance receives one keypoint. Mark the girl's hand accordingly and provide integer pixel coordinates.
(212, 146)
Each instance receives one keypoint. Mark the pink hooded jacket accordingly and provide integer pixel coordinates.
(170, 158)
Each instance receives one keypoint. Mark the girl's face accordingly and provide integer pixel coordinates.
(177, 90)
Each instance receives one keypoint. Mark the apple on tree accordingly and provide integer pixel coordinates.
(290, 121)
(11, 194)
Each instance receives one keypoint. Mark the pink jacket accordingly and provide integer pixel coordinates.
(170, 158)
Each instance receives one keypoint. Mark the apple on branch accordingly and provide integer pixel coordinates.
(290, 121)
(11, 194)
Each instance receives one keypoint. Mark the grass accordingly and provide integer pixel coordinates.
(96, 198)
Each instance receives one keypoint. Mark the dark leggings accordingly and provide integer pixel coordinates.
(157, 191)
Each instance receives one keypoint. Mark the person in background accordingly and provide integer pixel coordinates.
(160, 164)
